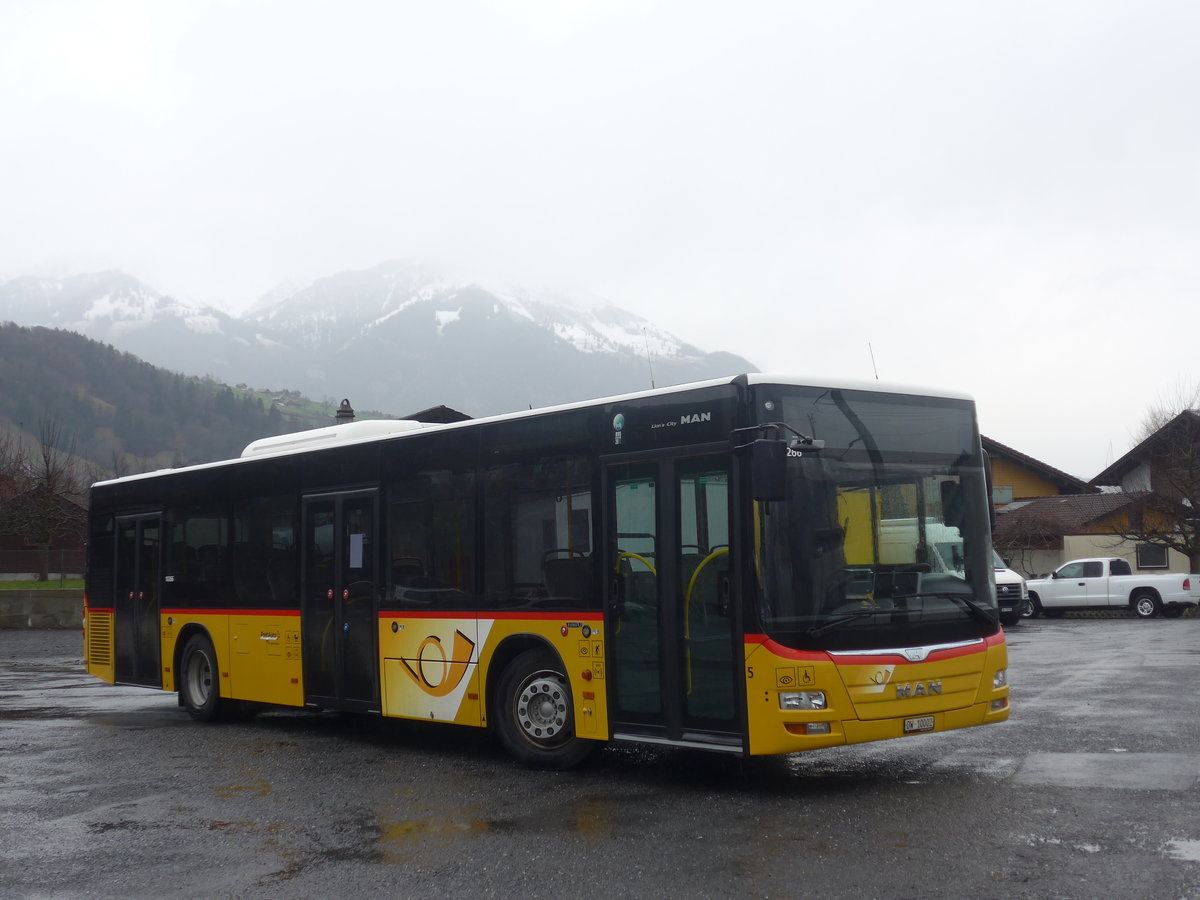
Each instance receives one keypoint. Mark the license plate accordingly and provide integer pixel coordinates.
(918, 724)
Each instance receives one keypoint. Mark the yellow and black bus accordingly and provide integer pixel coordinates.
(746, 565)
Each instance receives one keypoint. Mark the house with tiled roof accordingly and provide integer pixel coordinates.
(1164, 469)
(1133, 509)
(1040, 534)
(1016, 476)
(1145, 467)
(1046, 516)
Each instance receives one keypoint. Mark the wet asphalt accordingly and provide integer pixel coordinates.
(1091, 790)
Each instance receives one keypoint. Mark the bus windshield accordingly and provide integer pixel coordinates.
(852, 558)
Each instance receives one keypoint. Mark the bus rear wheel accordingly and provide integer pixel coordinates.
(535, 719)
(199, 686)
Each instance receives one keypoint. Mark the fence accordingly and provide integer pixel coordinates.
(22, 564)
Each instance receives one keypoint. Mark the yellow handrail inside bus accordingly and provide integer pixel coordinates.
(687, 610)
(629, 554)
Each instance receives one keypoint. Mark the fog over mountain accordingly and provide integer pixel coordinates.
(399, 337)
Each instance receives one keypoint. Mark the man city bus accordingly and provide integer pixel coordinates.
(746, 565)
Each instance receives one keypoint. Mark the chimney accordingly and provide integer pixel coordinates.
(345, 413)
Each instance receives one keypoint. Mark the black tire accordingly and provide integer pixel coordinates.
(1010, 617)
(199, 679)
(1145, 604)
(534, 717)
(1030, 607)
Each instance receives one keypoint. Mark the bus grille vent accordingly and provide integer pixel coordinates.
(100, 632)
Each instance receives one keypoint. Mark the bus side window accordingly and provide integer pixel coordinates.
(538, 526)
(264, 553)
(431, 546)
(199, 558)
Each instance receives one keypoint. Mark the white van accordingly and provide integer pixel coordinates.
(1011, 591)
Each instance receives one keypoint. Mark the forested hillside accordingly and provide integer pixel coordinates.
(125, 414)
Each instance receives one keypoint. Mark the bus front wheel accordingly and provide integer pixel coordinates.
(199, 687)
(535, 718)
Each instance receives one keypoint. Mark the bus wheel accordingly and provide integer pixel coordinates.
(198, 684)
(1146, 605)
(534, 716)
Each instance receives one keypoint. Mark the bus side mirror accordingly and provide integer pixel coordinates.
(952, 503)
(768, 469)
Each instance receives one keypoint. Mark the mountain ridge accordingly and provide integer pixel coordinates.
(397, 336)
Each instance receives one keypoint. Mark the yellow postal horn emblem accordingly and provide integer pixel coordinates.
(447, 675)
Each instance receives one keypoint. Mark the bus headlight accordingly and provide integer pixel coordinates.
(802, 700)
(1000, 679)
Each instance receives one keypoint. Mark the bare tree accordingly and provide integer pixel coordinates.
(1023, 537)
(1166, 407)
(1168, 515)
(47, 498)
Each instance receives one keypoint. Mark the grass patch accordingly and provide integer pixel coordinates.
(54, 584)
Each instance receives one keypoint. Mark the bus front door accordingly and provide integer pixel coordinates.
(340, 594)
(669, 618)
(137, 632)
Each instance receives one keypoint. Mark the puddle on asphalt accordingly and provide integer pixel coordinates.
(1187, 850)
(418, 829)
(1121, 770)
(1035, 840)
(593, 819)
(398, 840)
(258, 787)
(32, 712)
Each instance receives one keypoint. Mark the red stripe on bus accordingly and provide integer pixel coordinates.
(395, 614)
(867, 657)
(786, 652)
(229, 612)
(537, 616)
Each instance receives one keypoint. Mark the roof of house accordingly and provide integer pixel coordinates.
(1067, 514)
(1067, 484)
(1118, 470)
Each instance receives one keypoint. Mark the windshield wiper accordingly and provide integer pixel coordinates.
(976, 611)
(817, 630)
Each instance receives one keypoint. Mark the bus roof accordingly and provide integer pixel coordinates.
(368, 430)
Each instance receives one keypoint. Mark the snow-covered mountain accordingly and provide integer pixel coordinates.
(110, 302)
(398, 337)
(117, 309)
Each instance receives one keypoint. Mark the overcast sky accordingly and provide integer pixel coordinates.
(1002, 197)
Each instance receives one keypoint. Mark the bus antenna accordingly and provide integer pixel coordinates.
(873, 366)
(648, 363)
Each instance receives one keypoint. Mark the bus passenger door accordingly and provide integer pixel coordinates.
(341, 600)
(670, 627)
(138, 635)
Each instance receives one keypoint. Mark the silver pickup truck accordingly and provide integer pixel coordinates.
(1109, 584)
